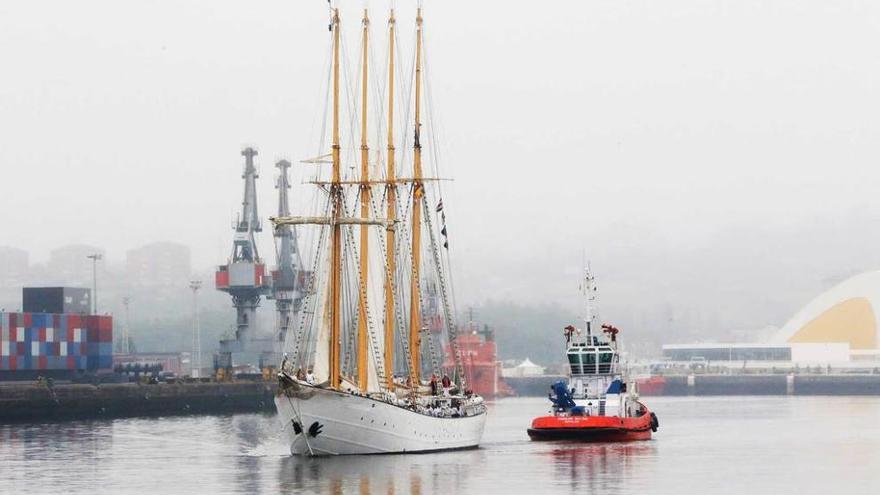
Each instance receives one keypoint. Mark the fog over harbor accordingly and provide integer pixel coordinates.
(714, 161)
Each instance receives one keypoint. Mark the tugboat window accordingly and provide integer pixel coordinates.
(590, 363)
(605, 362)
(574, 360)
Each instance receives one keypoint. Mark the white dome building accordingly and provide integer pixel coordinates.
(845, 314)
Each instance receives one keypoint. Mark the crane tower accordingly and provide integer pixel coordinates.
(244, 276)
(288, 278)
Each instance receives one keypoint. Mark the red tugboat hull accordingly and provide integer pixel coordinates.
(593, 428)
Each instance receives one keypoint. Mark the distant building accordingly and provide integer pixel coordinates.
(803, 353)
(525, 368)
(14, 264)
(69, 265)
(160, 264)
(840, 326)
(846, 313)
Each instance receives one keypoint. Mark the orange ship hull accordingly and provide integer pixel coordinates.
(593, 428)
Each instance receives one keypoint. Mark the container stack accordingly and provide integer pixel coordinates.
(54, 342)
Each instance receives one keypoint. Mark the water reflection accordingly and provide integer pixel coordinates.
(599, 467)
(387, 474)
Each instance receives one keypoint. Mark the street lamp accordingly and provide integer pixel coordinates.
(95, 258)
(196, 359)
(125, 349)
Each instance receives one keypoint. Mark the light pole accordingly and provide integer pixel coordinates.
(196, 358)
(95, 258)
(125, 349)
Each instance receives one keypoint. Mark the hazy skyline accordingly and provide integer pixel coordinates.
(615, 128)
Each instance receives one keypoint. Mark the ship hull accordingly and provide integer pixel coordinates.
(593, 428)
(336, 423)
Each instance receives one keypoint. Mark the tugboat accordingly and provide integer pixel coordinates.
(596, 404)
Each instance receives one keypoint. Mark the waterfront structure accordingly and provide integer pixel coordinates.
(847, 313)
(244, 277)
(289, 277)
(840, 327)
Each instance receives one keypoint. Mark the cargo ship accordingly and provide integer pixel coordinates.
(595, 404)
(480, 356)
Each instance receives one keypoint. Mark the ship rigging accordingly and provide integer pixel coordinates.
(362, 348)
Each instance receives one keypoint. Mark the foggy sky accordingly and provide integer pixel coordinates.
(650, 135)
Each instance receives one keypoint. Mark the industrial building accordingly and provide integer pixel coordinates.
(839, 327)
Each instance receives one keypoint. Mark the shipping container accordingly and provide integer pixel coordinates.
(56, 300)
(55, 342)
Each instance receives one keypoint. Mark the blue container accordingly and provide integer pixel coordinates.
(105, 349)
(105, 362)
(4, 363)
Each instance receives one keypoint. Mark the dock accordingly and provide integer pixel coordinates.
(25, 402)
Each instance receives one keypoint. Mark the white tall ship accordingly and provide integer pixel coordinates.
(362, 374)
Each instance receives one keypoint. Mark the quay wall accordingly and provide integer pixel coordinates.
(28, 402)
(709, 385)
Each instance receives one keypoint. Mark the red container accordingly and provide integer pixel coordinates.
(28, 321)
(56, 322)
(105, 335)
(13, 334)
(221, 279)
(41, 362)
(71, 362)
(13, 363)
(42, 334)
(13, 319)
(105, 323)
(73, 321)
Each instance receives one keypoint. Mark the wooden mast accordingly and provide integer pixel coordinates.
(365, 213)
(415, 320)
(391, 191)
(336, 234)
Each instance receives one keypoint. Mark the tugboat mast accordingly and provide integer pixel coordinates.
(589, 289)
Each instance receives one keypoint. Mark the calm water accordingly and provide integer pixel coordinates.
(705, 445)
